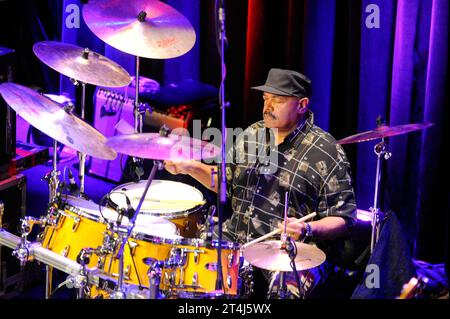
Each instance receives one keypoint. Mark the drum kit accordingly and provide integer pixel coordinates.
(137, 246)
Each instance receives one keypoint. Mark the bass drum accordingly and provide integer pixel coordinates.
(180, 203)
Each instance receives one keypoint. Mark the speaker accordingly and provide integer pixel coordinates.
(7, 114)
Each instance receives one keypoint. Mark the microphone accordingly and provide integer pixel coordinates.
(129, 212)
(73, 186)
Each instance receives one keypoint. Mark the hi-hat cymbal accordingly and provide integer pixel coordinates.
(382, 132)
(4, 51)
(269, 255)
(154, 146)
(81, 64)
(149, 29)
(52, 119)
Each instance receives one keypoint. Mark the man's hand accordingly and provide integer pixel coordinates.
(294, 229)
(175, 168)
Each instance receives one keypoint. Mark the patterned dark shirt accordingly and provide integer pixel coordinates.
(311, 168)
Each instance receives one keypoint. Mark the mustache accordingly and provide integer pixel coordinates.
(270, 114)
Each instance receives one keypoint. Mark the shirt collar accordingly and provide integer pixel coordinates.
(303, 127)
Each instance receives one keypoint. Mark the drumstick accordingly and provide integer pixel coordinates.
(276, 231)
(172, 201)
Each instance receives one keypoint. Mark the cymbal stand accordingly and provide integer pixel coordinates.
(381, 150)
(222, 181)
(283, 288)
(81, 156)
(120, 292)
(52, 177)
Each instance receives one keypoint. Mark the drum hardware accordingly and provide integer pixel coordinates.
(119, 293)
(245, 280)
(154, 277)
(382, 131)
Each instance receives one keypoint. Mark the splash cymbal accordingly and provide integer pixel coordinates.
(382, 132)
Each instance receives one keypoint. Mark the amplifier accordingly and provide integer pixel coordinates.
(114, 115)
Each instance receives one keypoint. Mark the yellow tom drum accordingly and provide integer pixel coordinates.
(77, 224)
(191, 269)
(151, 238)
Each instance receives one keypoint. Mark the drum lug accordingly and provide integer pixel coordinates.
(75, 225)
(231, 260)
(195, 279)
(229, 281)
(65, 251)
(211, 266)
(132, 246)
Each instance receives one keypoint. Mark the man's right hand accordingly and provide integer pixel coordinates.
(178, 167)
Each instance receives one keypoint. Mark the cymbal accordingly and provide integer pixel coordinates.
(51, 118)
(164, 33)
(154, 146)
(4, 51)
(269, 255)
(81, 64)
(382, 132)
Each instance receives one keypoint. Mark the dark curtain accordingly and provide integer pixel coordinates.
(397, 71)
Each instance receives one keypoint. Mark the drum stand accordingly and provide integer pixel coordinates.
(120, 292)
(380, 150)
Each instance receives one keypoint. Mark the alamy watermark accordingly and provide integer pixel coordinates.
(372, 20)
(72, 20)
(250, 146)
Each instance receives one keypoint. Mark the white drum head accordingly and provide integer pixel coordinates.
(163, 197)
(145, 224)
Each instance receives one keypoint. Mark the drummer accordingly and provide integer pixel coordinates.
(308, 165)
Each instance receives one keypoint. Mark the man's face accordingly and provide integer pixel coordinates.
(282, 112)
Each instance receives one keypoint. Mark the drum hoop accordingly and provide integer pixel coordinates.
(206, 243)
(70, 207)
(172, 215)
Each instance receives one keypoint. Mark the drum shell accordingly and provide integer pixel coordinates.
(197, 276)
(73, 232)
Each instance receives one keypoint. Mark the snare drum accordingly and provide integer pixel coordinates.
(76, 225)
(180, 203)
(191, 270)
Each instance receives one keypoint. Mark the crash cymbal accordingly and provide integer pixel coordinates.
(382, 132)
(81, 64)
(4, 51)
(149, 29)
(269, 255)
(154, 146)
(52, 119)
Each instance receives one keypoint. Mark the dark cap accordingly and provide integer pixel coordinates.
(287, 83)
